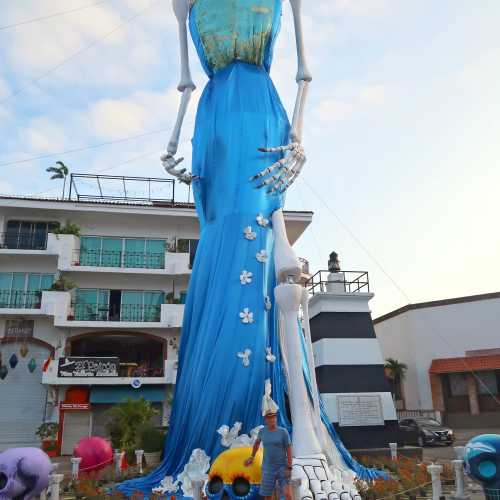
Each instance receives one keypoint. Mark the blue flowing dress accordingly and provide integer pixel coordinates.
(225, 314)
(239, 111)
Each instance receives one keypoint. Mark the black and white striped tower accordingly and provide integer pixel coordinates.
(348, 359)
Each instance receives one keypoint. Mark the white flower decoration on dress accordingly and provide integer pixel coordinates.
(246, 277)
(245, 357)
(261, 256)
(270, 356)
(262, 221)
(167, 485)
(249, 234)
(267, 303)
(246, 316)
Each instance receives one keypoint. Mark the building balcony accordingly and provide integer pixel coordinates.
(105, 261)
(20, 303)
(87, 374)
(28, 243)
(68, 314)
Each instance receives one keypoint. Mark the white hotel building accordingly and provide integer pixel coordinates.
(68, 355)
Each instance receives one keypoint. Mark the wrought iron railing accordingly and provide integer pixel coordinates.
(125, 312)
(123, 259)
(350, 281)
(12, 299)
(24, 240)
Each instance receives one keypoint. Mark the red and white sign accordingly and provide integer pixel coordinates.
(75, 406)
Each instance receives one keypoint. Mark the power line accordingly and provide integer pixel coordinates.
(50, 16)
(74, 55)
(84, 148)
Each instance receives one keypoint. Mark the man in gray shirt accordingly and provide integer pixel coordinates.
(277, 463)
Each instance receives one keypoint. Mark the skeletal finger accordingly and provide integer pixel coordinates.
(279, 149)
(268, 170)
(274, 178)
(295, 175)
(284, 181)
(280, 183)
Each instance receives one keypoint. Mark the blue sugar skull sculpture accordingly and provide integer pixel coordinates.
(482, 462)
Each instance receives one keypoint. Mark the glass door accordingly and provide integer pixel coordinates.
(135, 255)
(111, 255)
(155, 254)
(152, 305)
(90, 251)
(91, 305)
(132, 306)
(5, 286)
(17, 294)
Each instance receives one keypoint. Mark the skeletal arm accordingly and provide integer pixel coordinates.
(186, 86)
(304, 77)
(283, 173)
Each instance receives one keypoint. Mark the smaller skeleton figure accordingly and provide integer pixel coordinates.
(24, 473)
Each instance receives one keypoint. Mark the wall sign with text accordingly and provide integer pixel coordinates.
(88, 367)
(357, 410)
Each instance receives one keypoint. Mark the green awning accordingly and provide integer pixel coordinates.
(117, 394)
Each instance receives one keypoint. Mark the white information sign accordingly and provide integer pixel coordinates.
(356, 410)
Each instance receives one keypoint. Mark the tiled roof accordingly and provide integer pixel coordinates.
(466, 364)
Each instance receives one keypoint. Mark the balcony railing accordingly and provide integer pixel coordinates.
(350, 281)
(11, 299)
(24, 240)
(109, 258)
(126, 312)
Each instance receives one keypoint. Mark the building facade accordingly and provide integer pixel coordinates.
(92, 297)
(452, 350)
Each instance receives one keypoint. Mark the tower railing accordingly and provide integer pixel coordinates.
(352, 281)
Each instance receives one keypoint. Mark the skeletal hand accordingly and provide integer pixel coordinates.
(170, 163)
(285, 171)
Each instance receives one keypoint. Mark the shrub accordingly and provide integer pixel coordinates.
(69, 228)
(151, 439)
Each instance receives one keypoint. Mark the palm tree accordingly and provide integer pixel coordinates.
(60, 172)
(396, 372)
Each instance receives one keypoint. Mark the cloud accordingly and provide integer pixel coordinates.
(139, 112)
(42, 135)
(349, 100)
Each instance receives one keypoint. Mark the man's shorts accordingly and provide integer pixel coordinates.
(271, 477)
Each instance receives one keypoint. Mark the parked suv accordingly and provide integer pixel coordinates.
(424, 431)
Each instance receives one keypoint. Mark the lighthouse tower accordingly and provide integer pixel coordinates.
(348, 359)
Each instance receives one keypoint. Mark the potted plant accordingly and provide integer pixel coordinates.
(62, 284)
(151, 441)
(69, 228)
(47, 433)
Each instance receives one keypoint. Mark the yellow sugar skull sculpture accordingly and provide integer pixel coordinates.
(230, 478)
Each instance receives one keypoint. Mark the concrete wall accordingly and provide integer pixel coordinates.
(418, 336)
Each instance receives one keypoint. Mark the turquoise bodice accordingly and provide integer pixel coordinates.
(225, 31)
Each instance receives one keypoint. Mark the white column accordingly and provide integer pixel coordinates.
(458, 467)
(459, 452)
(394, 450)
(435, 471)
(75, 467)
(305, 441)
(118, 458)
(198, 488)
(138, 458)
(55, 485)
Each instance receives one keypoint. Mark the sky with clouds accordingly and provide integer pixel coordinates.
(402, 124)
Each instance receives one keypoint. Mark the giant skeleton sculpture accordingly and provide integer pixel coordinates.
(241, 323)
